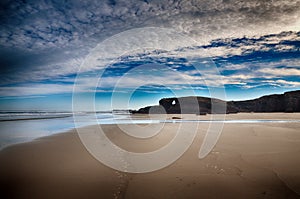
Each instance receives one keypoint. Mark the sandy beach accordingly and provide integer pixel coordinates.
(250, 160)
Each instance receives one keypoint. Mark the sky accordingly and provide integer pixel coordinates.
(126, 54)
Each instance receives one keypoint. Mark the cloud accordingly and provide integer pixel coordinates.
(284, 42)
(283, 83)
(59, 24)
(35, 70)
(35, 89)
(44, 42)
(279, 72)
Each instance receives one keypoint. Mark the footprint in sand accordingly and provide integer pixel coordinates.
(121, 185)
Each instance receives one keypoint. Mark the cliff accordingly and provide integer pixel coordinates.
(287, 102)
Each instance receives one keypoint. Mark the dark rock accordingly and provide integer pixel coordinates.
(287, 102)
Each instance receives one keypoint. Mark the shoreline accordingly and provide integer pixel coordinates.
(238, 118)
(38, 118)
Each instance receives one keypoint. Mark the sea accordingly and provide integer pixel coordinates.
(19, 126)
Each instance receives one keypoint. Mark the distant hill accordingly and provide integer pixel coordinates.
(287, 102)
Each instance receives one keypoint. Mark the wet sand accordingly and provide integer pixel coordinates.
(259, 160)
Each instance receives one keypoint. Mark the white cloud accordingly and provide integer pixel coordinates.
(35, 89)
(283, 83)
(279, 72)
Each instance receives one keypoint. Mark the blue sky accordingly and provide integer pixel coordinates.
(45, 45)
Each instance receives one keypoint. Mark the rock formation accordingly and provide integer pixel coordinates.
(287, 102)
